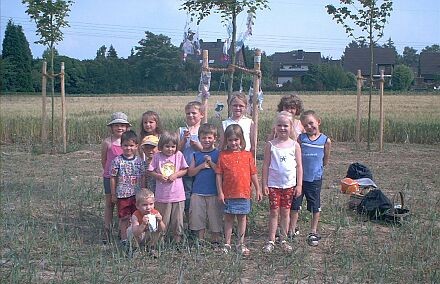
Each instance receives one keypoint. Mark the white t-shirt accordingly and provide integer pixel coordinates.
(245, 124)
(282, 168)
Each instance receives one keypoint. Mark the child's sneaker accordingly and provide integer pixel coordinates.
(269, 247)
(313, 239)
(226, 248)
(242, 249)
(285, 246)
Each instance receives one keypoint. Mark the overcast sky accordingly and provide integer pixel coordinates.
(288, 25)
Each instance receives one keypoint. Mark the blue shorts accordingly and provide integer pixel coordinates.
(237, 206)
(107, 189)
(187, 185)
(312, 191)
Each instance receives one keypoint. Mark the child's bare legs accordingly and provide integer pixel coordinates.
(284, 222)
(273, 223)
(108, 212)
(229, 222)
(314, 224)
(215, 237)
(241, 218)
(123, 226)
(294, 215)
(201, 234)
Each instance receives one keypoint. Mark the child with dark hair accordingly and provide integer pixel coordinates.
(168, 167)
(127, 177)
(294, 105)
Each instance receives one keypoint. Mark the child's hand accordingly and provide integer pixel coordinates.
(145, 219)
(259, 196)
(298, 191)
(172, 177)
(162, 178)
(266, 191)
(221, 198)
(158, 217)
(186, 134)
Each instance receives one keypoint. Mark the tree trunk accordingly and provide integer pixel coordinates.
(371, 79)
(52, 83)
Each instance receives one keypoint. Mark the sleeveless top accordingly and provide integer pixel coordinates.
(312, 153)
(112, 152)
(245, 124)
(282, 168)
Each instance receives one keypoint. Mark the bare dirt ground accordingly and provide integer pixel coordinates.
(350, 250)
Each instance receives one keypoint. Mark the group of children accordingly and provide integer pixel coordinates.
(185, 173)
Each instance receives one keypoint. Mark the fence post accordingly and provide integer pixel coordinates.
(256, 85)
(381, 114)
(358, 108)
(44, 108)
(63, 109)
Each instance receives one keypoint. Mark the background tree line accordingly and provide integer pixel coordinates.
(155, 65)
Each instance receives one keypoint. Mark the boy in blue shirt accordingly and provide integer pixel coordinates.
(204, 206)
(315, 153)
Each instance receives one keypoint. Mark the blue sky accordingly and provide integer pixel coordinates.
(288, 25)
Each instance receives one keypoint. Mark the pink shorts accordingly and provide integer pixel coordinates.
(126, 206)
(281, 197)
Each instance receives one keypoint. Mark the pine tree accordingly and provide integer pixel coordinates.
(111, 53)
(16, 60)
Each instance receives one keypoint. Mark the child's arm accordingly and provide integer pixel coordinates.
(219, 180)
(157, 176)
(196, 145)
(299, 171)
(327, 148)
(180, 173)
(252, 139)
(193, 170)
(258, 193)
(265, 171)
(160, 223)
(139, 227)
(182, 140)
(104, 147)
(113, 183)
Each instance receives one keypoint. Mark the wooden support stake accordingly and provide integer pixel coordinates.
(358, 108)
(63, 109)
(205, 65)
(381, 114)
(257, 76)
(44, 109)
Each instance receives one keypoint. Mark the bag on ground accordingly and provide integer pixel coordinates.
(375, 205)
(358, 171)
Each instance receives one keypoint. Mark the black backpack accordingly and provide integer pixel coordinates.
(375, 205)
(357, 171)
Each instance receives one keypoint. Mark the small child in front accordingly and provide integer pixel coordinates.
(168, 167)
(236, 171)
(127, 178)
(315, 153)
(205, 206)
(146, 225)
(282, 178)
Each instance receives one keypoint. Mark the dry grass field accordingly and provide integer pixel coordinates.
(51, 216)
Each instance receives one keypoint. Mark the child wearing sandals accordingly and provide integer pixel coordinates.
(110, 149)
(282, 178)
(315, 153)
(236, 171)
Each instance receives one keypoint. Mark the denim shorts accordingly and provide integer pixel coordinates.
(237, 206)
(312, 191)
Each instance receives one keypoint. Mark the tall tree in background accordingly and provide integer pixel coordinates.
(370, 16)
(50, 17)
(16, 60)
(111, 53)
(100, 53)
(410, 58)
(229, 10)
(432, 48)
